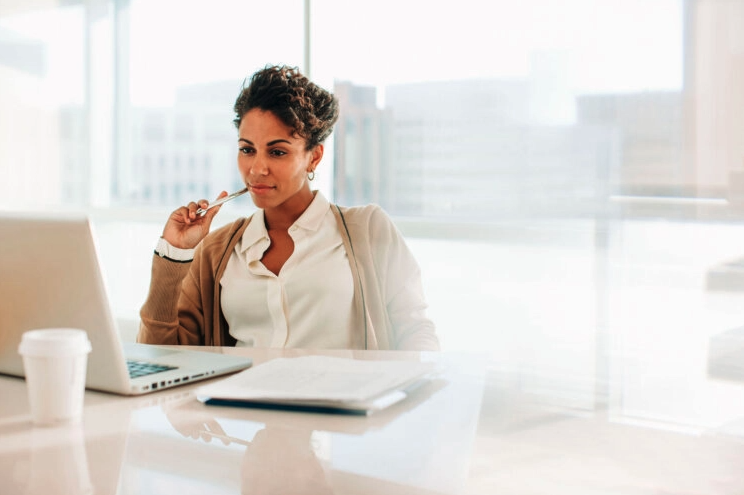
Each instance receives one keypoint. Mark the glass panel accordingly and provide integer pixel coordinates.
(44, 99)
(123, 109)
(569, 175)
(181, 67)
(504, 110)
(182, 71)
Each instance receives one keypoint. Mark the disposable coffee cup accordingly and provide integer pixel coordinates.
(55, 361)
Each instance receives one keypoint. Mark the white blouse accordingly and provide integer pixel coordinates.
(309, 303)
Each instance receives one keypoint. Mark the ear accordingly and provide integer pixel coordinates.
(316, 156)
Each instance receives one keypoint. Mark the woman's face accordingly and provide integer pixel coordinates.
(274, 162)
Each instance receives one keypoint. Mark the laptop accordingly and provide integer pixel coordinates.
(50, 277)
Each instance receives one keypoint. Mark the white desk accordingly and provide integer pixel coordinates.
(471, 433)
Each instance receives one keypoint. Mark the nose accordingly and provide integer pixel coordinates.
(256, 166)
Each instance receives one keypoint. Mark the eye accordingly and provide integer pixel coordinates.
(246, 150)
(278, 152)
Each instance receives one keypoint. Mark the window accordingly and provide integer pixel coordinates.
(178, 85)
(569, 174)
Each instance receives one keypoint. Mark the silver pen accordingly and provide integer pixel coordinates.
(202, 211)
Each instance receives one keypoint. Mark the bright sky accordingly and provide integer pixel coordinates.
(593, 45)
(606, 45)
(590, 45)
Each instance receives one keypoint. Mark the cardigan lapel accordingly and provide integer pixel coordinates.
(366, 339)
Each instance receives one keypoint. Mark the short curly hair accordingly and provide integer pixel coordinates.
(302, 105)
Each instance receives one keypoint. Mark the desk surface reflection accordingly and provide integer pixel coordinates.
(478, 429)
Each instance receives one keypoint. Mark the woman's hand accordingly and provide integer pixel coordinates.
(185, 228)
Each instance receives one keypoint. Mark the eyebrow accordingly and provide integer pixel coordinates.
(270, 143)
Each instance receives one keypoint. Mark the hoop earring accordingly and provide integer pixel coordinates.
(311, 175)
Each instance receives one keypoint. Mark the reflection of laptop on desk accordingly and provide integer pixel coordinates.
(50, 277)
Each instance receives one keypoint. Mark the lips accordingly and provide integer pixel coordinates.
(260, 188)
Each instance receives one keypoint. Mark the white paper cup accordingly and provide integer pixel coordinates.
(55, 361)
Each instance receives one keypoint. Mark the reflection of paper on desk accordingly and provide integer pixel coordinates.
(319, 383)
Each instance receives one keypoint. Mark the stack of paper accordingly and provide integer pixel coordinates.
(320, 383)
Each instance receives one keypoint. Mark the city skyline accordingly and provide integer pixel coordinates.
(513, 160)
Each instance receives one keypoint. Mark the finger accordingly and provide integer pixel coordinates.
(190, 212)
(193, 206)
(179, 215)
(214, 427)
(203, 204)
(209, 214)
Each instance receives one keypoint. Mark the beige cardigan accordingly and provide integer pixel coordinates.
(183, 304)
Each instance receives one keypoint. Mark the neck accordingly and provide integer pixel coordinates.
(283, 216)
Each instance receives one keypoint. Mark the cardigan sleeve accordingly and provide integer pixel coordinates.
(183, 303)
(171, 313)
(399, 275)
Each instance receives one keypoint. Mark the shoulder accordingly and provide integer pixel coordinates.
(370, 221)
(365, 214)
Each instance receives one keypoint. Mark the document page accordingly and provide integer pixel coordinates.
(317, 378)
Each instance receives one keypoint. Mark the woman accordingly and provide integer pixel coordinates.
(300, 272)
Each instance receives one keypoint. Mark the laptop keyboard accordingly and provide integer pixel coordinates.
(142, 368)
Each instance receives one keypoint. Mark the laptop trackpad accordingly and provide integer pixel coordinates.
(145, 351)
